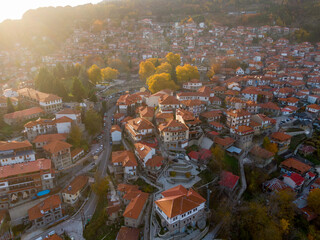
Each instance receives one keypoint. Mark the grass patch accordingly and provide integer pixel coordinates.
(206, 176)
(231, 164)
(145, 187)
(313, 158)
(296, 140)
(117, 147)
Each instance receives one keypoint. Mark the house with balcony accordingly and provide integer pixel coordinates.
(50, 103)
(16, 152)
(174, 134)
(128, 103)
(46, 212)
(282, 140)
(72, 192)
(22, 181)
(243, 136)
(179, 208)
(139, 129)
(291, 165)
(124, 164)
(238, 117)
(192, 85)
(38, 127)
(194, 106)
(168, 104)
(60, 154)
(193, 123)
(45, 139)
(265, 121)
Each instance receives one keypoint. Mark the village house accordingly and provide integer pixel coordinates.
(22, 181)
(73, 114)
(238, 118)
(45, 139)
(228, 181)
(46, 212)
(179, 208)
(133, 214)
(59, 153)
(270, 108)
(50, 103)
(282, 140)
(260, 156)
(124, 164)
(146, 112)
(194, 106)
(224, 142)
(210, 116)
(192, 85)
(174, 134)
(72, 192)
(40, 126)
(16, 152)
(139, 129)
(23, 115)
(63, 124)
(127, 104)
(116, 134)
(313, 108)
(243, 136)
(163, 117)
(168, 104)
(265, 121)
(293, 165)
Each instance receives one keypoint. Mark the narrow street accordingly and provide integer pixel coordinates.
(74, 226)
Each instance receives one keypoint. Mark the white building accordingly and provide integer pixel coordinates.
(16, 152)
(116, 134)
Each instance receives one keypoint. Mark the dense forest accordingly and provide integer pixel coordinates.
(48, 27)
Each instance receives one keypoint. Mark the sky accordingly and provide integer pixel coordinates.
(14, 9)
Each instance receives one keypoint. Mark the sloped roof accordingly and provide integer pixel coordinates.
(56, 146)
(179, 200)
(51, 202)
(135, 207)
(228, 179)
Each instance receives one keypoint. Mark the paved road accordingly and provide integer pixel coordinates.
(73, 226)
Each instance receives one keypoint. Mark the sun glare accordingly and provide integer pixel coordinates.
(14, 9)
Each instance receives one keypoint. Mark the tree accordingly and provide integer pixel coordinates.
(186, 73)
(161, 81)
(10, 107)
(282, 207)
(146, 69)
(109, 73)
(218, 157)
(255, 223)
(272, 147)
(101, 186)
(314, 200)
(232, 63)
(93, 122)
(164, 68)
(97, 26)
(75, 136)
(173, 59)
(94, 74)
(78, 90)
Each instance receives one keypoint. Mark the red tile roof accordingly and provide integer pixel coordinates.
(228, 179)
(51, 202)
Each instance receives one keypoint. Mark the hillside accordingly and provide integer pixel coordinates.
(57, 23)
